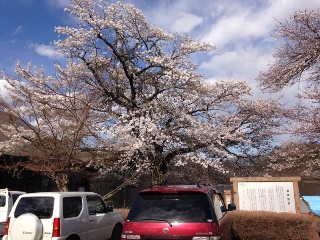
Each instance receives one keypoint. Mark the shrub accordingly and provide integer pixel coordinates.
(269, 225)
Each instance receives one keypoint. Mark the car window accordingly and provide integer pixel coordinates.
(2, 200)
(14, 197)
(181, 207)
(217, 205)
(72, 206)
(96, 205)
(42, 207)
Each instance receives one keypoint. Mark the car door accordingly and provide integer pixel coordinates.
(3, 212)
(221, 213)
(99, 220)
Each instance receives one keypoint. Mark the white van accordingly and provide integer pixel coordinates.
(7, 199)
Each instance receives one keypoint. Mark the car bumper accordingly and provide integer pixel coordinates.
(54, 238)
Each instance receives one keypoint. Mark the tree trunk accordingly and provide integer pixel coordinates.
(159, 167)
(158, 173)
(62, 181)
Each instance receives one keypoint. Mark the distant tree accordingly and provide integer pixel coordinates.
(297, 61)
(291, 159)
(153, 107)
(47, 125)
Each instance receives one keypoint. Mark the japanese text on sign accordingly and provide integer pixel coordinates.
(266, 196)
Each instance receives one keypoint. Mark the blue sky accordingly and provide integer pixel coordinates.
(241, 30)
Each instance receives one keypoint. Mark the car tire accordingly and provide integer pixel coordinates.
(73, 238)
(27, 227)
(116, 232)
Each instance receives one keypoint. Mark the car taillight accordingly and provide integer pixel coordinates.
(6, 230)
(56, 227)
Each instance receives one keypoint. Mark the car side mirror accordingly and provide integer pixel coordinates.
(231, 207)
(223, 209)
(110, 208)
(92, 210)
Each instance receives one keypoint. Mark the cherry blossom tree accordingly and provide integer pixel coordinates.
(47, 124)
(160, 109)
(298, 58)
(304, 160)
(297, 61)
(144, 98)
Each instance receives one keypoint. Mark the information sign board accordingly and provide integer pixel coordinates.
(267, 196)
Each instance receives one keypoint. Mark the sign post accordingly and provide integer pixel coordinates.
(275, 194)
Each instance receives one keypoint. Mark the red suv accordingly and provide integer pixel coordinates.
(187, 212)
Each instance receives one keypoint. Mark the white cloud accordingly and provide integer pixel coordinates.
(58, 3)
(243, 36)
(4, 93)
(180, 16)
(18, 29)
(186, 22)
(241, 26)
(242, 64)
(45, 50)
(246, 22)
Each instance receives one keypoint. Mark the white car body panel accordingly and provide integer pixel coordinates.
(95, 225)
(7, 198)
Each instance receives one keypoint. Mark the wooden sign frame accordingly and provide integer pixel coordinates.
(271, 180)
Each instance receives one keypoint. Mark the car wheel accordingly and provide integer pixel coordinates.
(116, 233)
(27, 227)
(73, 238)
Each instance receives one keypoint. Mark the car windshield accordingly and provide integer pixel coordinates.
(178, 207)
(42, 207)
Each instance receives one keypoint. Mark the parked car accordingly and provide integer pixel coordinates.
(63, 216)
(7, 199)
(188, 212)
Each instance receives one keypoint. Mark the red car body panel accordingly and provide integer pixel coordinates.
(151, 230)
(177, 189)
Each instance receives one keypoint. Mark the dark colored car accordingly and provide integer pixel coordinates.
(188, 212)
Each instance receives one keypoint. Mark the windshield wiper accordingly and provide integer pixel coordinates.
(156, 219)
